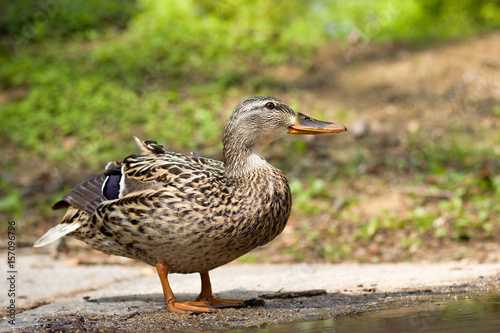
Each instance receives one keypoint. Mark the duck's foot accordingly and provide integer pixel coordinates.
(206, 295)
(171, 302)
(222, 302)
(190, 307)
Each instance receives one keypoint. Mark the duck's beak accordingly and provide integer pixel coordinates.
(307, 125)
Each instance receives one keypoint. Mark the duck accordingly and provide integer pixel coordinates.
(190, 214)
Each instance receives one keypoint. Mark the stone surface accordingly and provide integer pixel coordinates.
(97, 296)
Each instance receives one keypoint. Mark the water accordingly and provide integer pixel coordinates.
(471, 315)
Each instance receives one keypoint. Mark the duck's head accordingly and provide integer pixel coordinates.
(256, 121)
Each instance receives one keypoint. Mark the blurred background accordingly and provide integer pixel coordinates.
(416, 82)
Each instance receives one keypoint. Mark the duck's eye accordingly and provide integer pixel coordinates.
(270, 105)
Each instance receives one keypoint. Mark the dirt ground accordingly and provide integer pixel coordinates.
(276, 312)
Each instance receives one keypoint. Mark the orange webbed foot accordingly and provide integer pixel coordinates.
(190, 307)
(206, 295)
(171, 302)
(222, 302)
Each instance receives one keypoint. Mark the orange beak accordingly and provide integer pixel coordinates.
(307, 125)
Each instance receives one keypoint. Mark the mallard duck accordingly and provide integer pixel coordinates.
(187, 214)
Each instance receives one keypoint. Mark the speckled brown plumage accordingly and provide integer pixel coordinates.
(195, 222)
(186, 214)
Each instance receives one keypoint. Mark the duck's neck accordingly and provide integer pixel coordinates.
(240, 160)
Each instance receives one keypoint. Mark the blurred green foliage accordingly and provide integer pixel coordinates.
(413, 20)
(174, 62)
(95, 69)
(79, 78)
(42, 20)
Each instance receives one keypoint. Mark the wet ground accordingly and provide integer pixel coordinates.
(471, 313)
(123, 298)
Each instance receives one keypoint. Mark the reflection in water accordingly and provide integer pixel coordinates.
(472, 315)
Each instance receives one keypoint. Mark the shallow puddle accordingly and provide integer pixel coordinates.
(481, 314)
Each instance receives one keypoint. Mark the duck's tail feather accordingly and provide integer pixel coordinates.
(92, 192)
(55, 233)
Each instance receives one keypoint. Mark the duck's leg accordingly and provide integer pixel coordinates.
(172, 304)
(206, 295)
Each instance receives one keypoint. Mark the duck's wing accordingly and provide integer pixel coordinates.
(154, 169)
(92, 192)
(157, 168)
